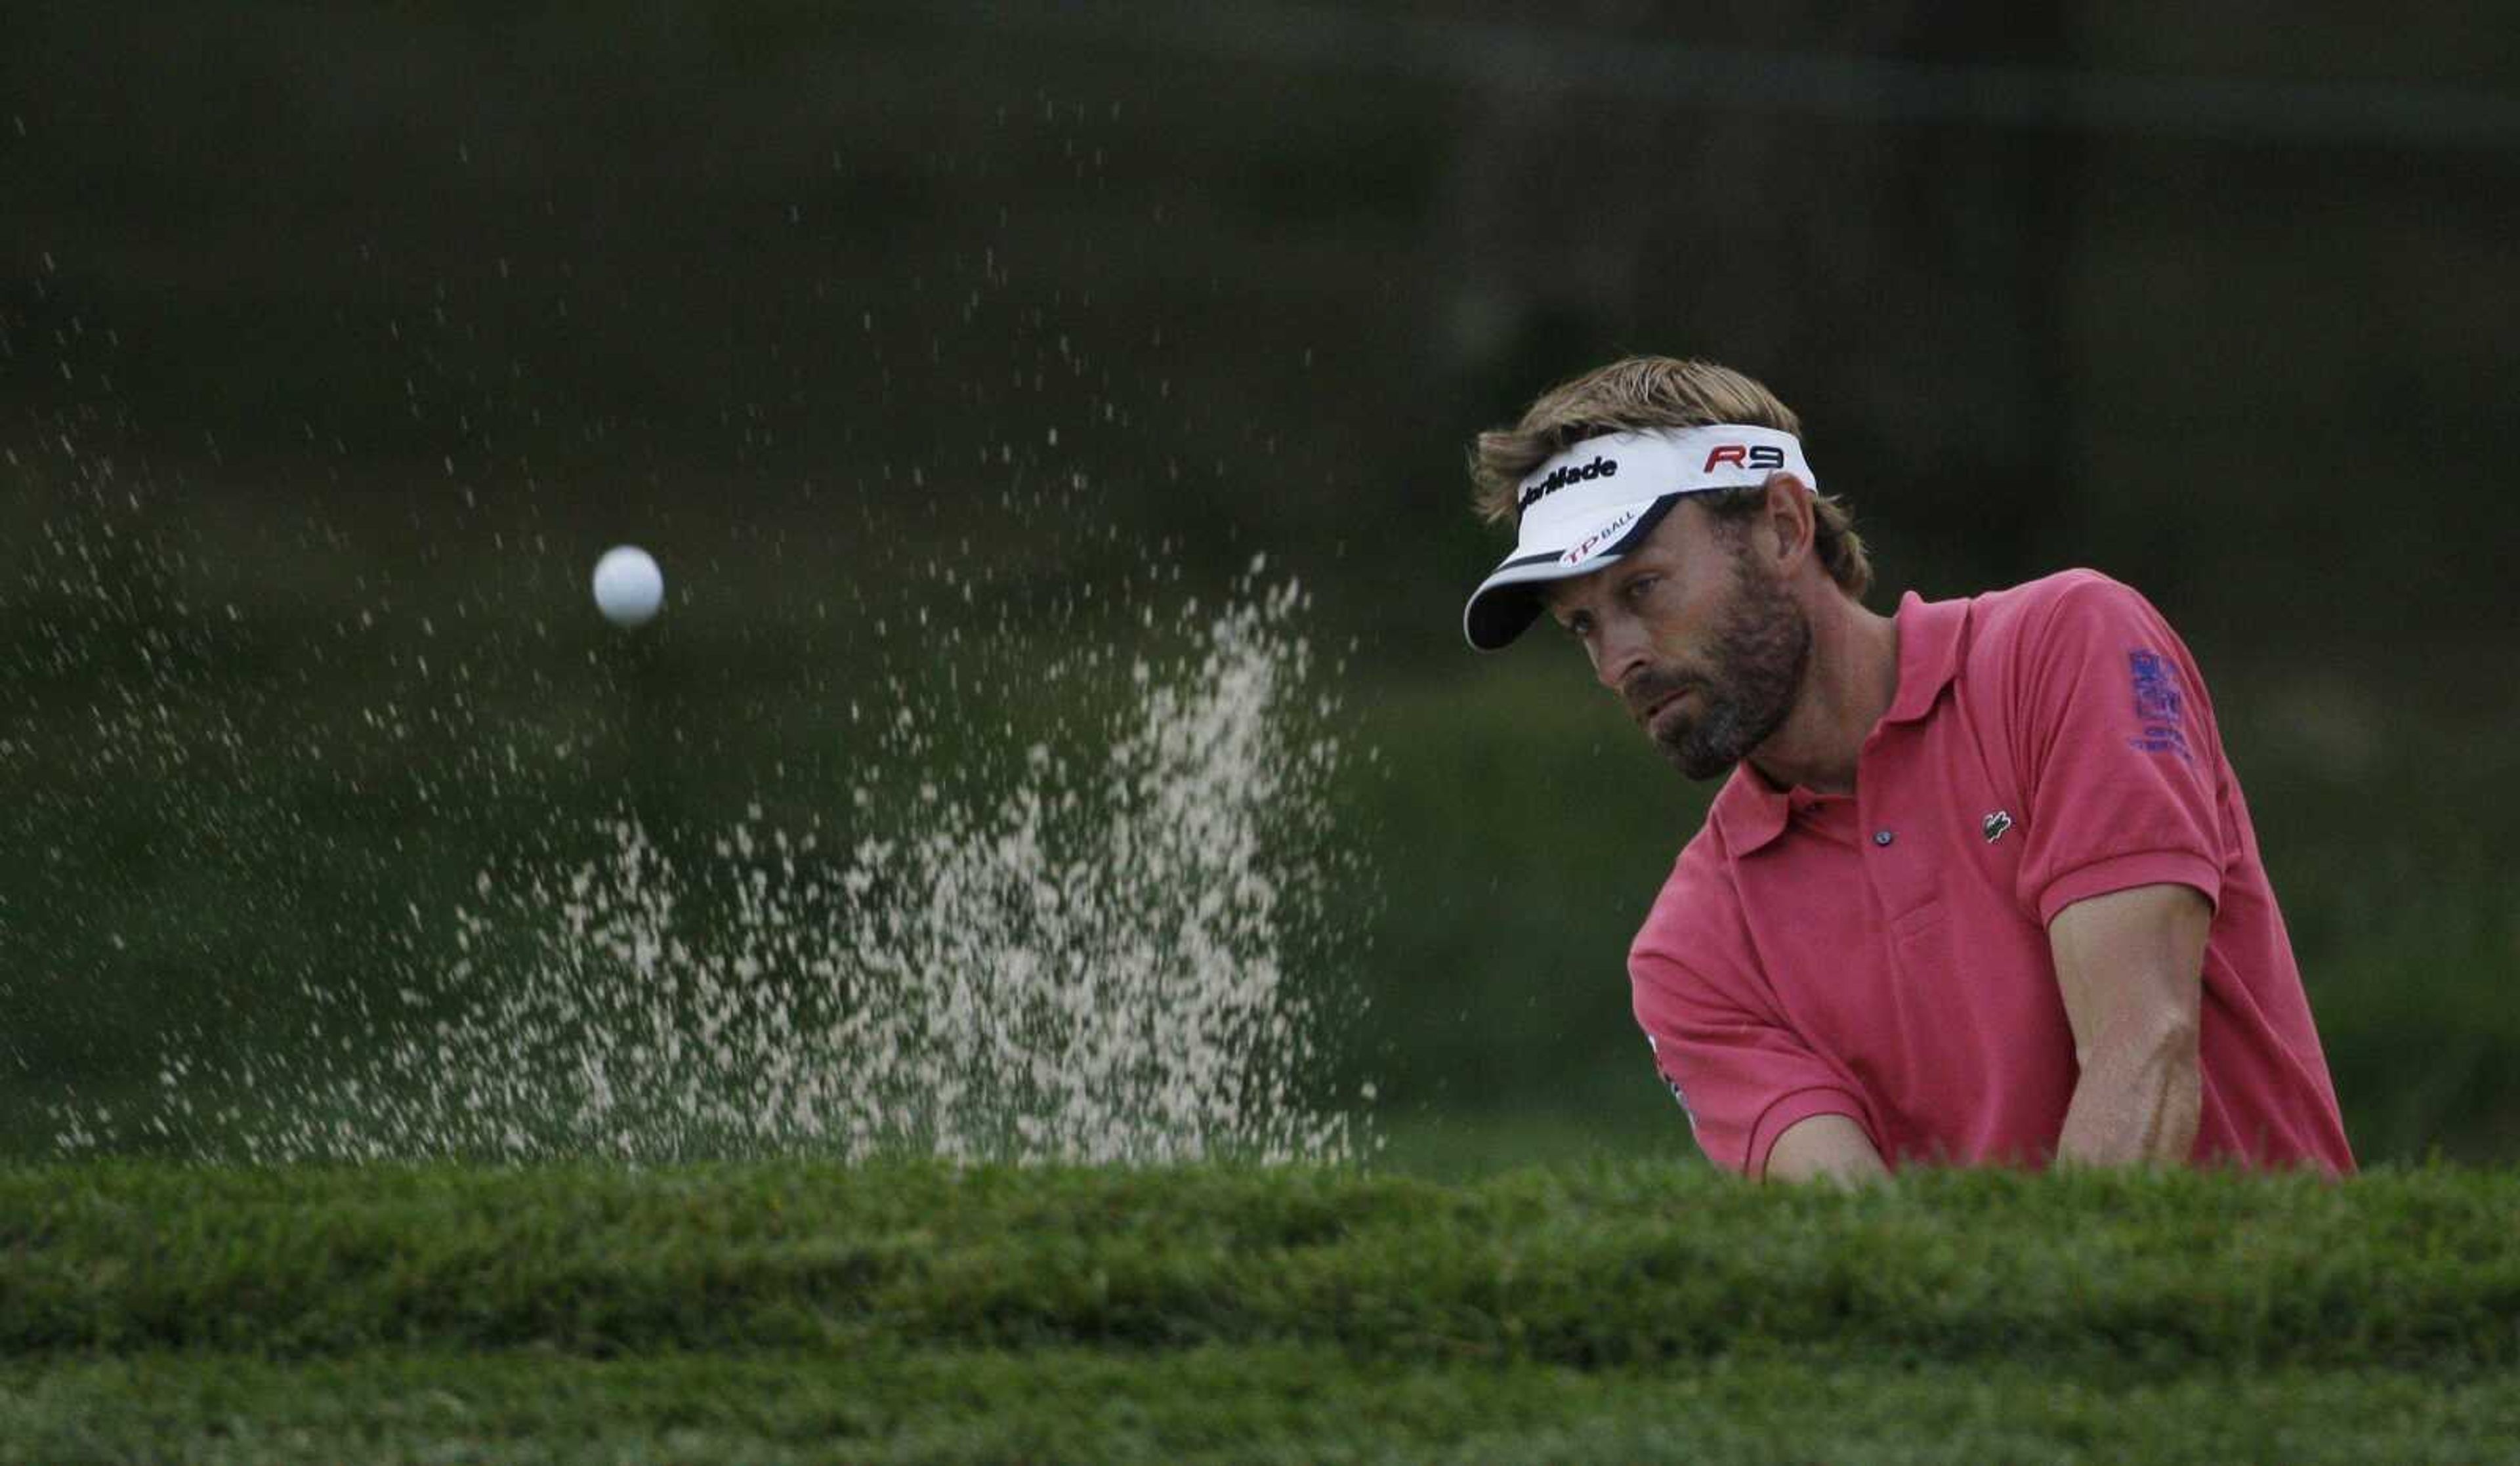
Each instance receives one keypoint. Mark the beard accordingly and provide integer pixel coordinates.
(1761, 649)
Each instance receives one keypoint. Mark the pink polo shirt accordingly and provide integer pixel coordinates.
(1884, 955)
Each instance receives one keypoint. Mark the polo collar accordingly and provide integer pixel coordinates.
(1929, 654)
(1748, 809)
(1750, 812)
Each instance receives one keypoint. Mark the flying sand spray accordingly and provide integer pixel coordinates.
(1092, 956)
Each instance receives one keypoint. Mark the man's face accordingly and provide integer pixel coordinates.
(1698, 635)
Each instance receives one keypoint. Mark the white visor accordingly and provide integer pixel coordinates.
(1598, 499)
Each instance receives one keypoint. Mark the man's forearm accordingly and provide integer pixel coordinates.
(1825, 1148)
(2129, 967)
(2136, 1103)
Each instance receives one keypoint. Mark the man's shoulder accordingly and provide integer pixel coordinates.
(2007, 625)
(2033, 603)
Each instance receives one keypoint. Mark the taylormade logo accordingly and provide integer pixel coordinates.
(1599, 467)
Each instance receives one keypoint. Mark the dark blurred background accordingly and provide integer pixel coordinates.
(336, 341)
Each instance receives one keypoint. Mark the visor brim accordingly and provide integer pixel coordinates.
(1507, 602)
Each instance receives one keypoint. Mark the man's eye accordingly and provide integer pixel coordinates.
(1579, 625)
(1636, 589)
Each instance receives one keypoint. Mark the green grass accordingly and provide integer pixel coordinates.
(1211, 1403)
(1604, 1312)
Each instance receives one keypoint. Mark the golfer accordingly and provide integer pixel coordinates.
(1979, 887)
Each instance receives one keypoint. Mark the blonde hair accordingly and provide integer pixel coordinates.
(1658, 391)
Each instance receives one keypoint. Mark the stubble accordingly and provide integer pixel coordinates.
(1761, 652)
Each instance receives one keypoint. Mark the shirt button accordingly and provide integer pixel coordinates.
(1882, 837)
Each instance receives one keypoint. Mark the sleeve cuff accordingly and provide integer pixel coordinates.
(2124, 872)
(1791, 1109)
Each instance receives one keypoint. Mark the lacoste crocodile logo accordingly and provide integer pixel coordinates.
(1995, 824)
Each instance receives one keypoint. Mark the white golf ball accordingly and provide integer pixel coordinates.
(629, 589)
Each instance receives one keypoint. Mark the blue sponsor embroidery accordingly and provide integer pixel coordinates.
(2160, 712)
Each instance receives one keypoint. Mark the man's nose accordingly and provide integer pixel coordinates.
(1621, 650)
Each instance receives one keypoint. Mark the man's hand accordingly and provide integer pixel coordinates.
(2130, 967)
(1831, 1146)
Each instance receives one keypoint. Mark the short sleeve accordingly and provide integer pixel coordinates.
(1742, 1078)
(2121, 764)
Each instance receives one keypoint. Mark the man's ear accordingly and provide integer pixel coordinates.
(1788, 520)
